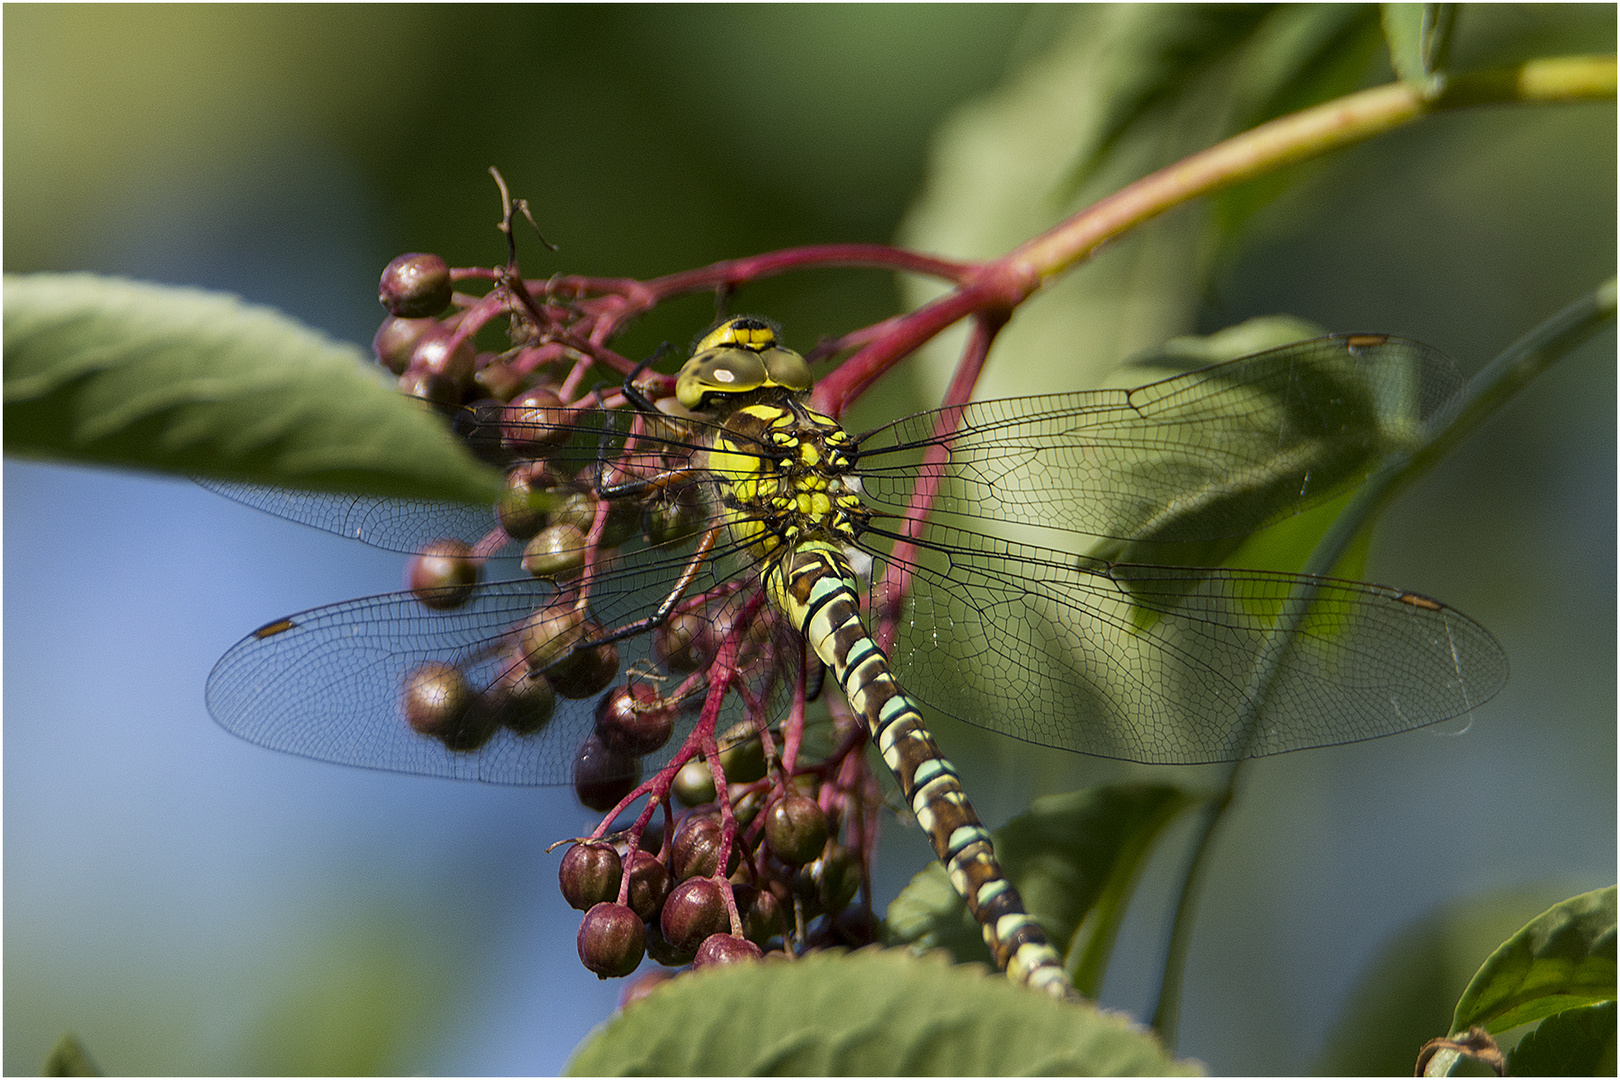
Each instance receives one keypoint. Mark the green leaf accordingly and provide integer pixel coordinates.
(1074, 858)
(123, 373)
(1357, 415)
(876, 1012)
(1576, 1042)
(1418, 36)
(1563, 958)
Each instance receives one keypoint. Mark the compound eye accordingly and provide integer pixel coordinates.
(718, 371)
(787, 369)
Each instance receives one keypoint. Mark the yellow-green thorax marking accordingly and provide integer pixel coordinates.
(784, 469)
(786, 479)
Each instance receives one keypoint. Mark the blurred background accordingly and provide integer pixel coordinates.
(188, 903)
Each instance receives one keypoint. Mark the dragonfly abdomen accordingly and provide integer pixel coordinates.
(815, 589)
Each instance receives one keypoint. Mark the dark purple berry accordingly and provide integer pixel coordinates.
(436, 699)
(693, 910)
(611, 940)
(577, 508)
(719, 950)
(396, 340)
(662, 952)
(446, 355)
(672, 521)
(652, 837)
(633, 720)
(747, 808)
(590, 875)
(649, 884)
(548, 634)
(521, 700)
(431, 387)
(444, 575)
(603, 778)
(760, 911)
(645, 983)
(414, 286)
(694, 783)
(742, 755)
(524, 506)
(796, 828)
(695, 851)
(475, 729)
(472, 425)
(855, 926)
(496, 376)
(535, 420)
(677, 644)
(580, 510)
(837, 876)
(555, 552)
(585, 672)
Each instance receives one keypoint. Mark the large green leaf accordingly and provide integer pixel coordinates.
(876, 1012)
(1285, 545)
(130, 374)
(1074, 858)
(1564, 957)
(1577, 1042)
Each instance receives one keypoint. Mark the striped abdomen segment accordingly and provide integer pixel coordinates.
(814, 588)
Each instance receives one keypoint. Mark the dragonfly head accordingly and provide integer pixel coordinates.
(739, 356)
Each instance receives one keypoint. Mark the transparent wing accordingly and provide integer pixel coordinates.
(571, 443)
(1117, 658)
(1162, 665)
(1213, 454)
(332, 683)
(403, 525)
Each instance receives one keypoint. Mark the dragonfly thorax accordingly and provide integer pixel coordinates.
(785, 476)
(784, 471)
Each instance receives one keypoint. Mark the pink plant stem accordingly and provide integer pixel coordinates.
(733, 272)
(793, 730)
(722, 673)
(997, 289)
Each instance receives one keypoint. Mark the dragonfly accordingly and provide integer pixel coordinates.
(1047, 567)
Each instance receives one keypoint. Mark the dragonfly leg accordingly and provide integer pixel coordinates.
(667, 606)
(639, 401)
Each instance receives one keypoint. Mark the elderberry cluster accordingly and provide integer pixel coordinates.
(773, 862)
(787, 885)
